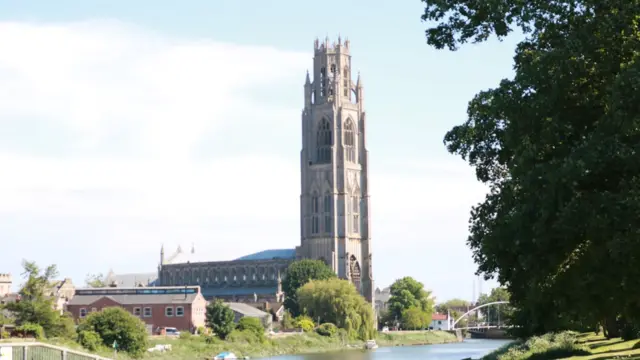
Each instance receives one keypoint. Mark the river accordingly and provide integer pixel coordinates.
(471, 348)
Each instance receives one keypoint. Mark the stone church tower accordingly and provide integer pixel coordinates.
(334, 202)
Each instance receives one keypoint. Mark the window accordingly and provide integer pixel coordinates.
(323, 80)
(355, 214)
(83, 312)
(315, 210)
(323, 142)
(327, 213)
(137, 311)
(168, 311)
(349, 141)
(345, 85)
(94, 309)
(147, 312)
(179, 311)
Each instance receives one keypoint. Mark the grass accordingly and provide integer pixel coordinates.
(247, 344)
(570, 346)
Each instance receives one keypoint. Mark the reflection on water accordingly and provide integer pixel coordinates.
(472, 348)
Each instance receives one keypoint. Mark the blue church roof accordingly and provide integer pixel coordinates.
(271, 254)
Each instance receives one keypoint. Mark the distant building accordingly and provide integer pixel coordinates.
(5, 284)
(130, 280)
(382, 298)
(182, 307)
(254, 278)
(441, 322)
(61, 291)
(244, 310)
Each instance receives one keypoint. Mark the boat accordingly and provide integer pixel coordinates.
(225, 356)
(370, 345)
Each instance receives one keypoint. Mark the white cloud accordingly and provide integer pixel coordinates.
(122, 114)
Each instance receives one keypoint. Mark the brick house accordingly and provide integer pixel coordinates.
(182, 307)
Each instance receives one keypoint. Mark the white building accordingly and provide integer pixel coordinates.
(441, 322)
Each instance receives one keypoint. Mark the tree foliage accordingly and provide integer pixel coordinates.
(408, 293)
(35, 306)
(96, 280)
(220, 318)
(496, 313)
(557, 146)
(339, 302)
(415, 318)
(115, 324)
(298, 274)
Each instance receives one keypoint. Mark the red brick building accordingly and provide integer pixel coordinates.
(182, 307)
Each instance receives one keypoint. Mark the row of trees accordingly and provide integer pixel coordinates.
(557, 146)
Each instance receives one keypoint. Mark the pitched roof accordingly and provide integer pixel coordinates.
(246, 310)
(438, 317)
(270, 255)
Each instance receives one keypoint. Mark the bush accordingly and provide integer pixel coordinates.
(30, 330)
(251, 324)
(115, 324)
(64, 328)
(4, 334)
(549, 346)
(90, 340)
(245, 336)
(304, 322)
(327, 329)
(185, 335)
(201, 330)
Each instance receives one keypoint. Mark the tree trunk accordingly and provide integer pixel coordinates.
(611, 328)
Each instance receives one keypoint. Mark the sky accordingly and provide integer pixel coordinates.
(126, 125)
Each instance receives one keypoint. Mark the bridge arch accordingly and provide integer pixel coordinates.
(477, 308)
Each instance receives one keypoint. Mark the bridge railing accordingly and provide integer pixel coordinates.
(40, 351)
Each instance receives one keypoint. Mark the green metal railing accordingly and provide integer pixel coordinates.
(40, 351)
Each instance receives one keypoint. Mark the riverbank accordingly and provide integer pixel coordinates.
(196, 347)
(568, 345)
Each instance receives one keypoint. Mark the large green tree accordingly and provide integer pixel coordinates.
(220, 318)
(35, 305)
(558, 147)
(338, 302)
(298, 274)
(115, 324)
(499, 313)
(407, 293)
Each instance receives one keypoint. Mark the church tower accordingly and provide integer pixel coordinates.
(334, 201)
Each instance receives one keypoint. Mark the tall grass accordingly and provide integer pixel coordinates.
(545, 347)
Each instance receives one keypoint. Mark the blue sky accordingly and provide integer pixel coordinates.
(131, 124)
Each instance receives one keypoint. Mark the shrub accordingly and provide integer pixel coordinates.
(549, 346)
(245, 336)
(185, 335)
(4, 334)
(30, 330)
(327, 329)
(201, 330)
(251, 324)
(115, 324)
(90, 340)
(304, 322)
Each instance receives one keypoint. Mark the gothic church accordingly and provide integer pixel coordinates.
(334, 201)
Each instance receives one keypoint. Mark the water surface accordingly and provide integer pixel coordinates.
(471, 348)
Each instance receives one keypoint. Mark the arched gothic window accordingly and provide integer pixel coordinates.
(326, 202)
(354, 266)
(349, 141)
(324, 142)
(315, 213)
